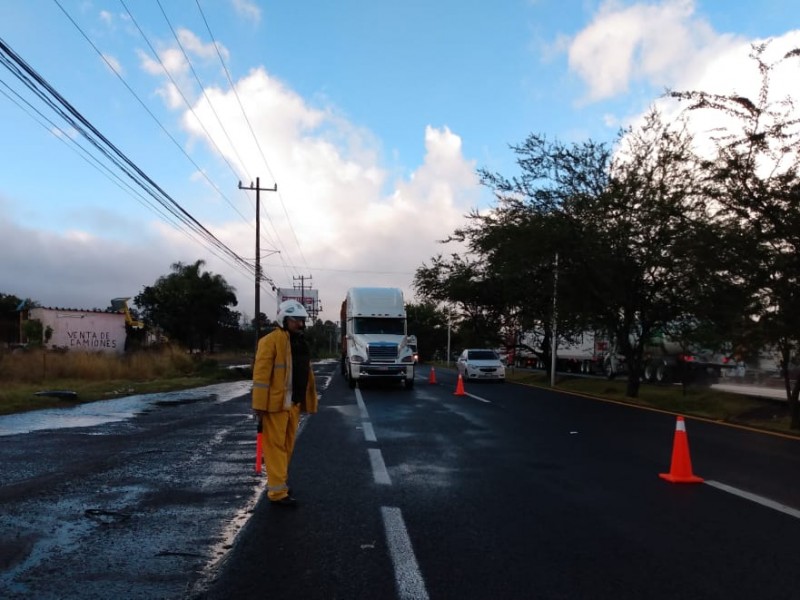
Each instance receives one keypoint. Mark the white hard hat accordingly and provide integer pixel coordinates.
(291, 308)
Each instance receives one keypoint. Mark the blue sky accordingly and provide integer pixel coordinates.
(372, 117)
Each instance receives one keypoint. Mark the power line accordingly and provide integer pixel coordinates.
(205, 95)
(141, 102)
(252, 132)
(40, 87)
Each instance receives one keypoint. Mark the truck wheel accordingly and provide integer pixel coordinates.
(350, 381)
(663, 373)
(409, 384)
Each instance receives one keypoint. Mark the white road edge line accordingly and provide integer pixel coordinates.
(792, 512)
(379, 472)
(410, 585)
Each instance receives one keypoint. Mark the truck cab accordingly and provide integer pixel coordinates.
(374, 341)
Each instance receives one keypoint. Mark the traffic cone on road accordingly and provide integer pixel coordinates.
(680, 470)
(460, 387)
(432, 377)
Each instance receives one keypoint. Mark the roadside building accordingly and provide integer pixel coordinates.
(87, 330)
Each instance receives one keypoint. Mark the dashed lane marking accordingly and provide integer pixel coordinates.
(410, 584)
(379, 472)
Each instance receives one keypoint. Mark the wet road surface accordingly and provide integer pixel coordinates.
(136, 497)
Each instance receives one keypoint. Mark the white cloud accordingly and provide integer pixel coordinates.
(112, 63)
(657, 44)
(247, 9)
(352, 225)
(175, 71)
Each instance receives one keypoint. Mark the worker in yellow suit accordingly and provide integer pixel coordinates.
(283, 387)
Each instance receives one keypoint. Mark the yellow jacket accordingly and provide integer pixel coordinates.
(272, 376)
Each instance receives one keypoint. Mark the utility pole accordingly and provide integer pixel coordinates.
(554, 343)
(302, 279)
(258, 189)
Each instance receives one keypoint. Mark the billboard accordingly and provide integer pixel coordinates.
(307, 297)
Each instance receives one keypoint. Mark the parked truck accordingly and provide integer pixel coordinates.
(667, 360)
(375, 344)
(589, 352)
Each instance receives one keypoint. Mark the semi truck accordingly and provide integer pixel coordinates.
(375, 345)
(590, 353)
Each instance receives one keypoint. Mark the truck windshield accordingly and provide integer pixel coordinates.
(384, 326)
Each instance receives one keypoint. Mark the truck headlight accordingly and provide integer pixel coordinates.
(357, 359)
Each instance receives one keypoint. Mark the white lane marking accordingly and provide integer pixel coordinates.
(410, 585)
(361, 406)
(369, 432)
(379, 472)
(792, 512)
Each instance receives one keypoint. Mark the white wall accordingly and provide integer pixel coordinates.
(83, 330)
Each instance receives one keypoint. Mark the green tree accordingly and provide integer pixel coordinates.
(755, 178)
(9, 318)
(429, 324)
(470, 294)
(192, 307)
(629, 224)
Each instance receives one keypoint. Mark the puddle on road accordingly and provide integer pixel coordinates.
(117, 409)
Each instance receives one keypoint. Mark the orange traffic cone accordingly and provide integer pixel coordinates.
(680, 470)
(432, 377)
(460, 387)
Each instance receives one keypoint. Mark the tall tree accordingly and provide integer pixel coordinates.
(628, 223)
(9, 318)
(190, 306)
(429, 323)
(755, 178)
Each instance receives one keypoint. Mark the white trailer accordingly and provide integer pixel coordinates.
(589, 352)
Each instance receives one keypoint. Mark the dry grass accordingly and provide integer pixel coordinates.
(37, 366)
(94, 376)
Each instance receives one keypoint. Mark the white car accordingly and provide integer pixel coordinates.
(481, 363)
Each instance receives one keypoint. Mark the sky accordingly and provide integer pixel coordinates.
(372, 118)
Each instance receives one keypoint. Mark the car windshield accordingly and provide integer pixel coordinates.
(482, 355)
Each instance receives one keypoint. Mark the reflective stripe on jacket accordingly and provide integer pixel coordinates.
(272, 376)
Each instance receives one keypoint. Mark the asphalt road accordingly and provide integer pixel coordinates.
(514, 492)
(137, 497)
(508, 492)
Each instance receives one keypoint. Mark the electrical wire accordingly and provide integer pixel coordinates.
(146, 108)
(40, 87)
(252, 132)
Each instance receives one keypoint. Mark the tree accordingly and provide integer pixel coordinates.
(470, 291)
(190, 306)
(429, 324)
(9, 318)
(630, 227)
(755, 177)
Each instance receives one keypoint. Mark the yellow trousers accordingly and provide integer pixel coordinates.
(279, 430)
